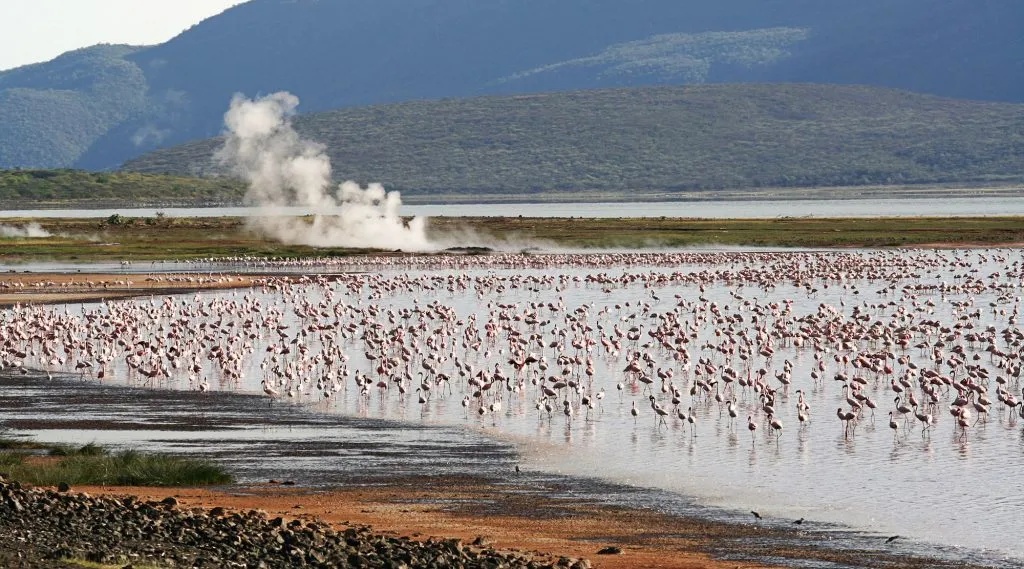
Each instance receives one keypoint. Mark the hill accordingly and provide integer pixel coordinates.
(657, 139)
(68, 188)
(50, 113)
(97, 108)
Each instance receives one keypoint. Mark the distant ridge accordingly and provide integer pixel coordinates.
(657, 139)
(99, 107)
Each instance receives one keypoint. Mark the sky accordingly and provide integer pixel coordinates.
(39, 30)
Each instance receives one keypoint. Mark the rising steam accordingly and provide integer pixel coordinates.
(284, 170)
(30, 230)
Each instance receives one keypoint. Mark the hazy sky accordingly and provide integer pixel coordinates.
(39, 30)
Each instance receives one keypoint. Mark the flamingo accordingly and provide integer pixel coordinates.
(776, 425)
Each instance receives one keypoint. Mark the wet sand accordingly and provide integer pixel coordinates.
(50, 288)
(467, 509)
(508, 518)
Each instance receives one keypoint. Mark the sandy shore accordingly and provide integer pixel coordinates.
(511, 517)
(49, 288)
(526, 523)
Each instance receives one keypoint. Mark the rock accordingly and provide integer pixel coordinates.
(610, 550)
(48, 525)
(63, 487)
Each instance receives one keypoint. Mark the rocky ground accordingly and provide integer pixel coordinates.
(45, 528)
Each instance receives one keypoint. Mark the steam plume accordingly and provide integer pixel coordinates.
(284, 170)
(31, 230)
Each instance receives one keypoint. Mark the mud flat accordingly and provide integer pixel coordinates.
(50, 288)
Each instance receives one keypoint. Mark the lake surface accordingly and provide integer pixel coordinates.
(753, 209)
(950, 489)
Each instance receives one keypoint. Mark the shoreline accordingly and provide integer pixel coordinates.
(533, 511)
(925, 191)
(533, 515)
(141, 240)
(463, 509)
(85, 287)
(510, 518)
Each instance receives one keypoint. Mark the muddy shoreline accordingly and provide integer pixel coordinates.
(462, 489)
(515, 516)
(62, 287)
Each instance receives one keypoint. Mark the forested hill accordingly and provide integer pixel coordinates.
(30, 189)
(658, 139)
(98, 107)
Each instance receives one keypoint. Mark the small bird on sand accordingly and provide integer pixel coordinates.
(799, 522)
(756, 515)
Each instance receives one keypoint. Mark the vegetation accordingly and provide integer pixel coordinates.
(681, 57)
(93, 465)
(99, 107)
(658, 140)
(50, 114)
(781, 232)
(145, 239)
(154, 238)
(69, 188)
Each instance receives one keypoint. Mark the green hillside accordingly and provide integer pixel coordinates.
(96, 108)
(35, 188)
(51, 113)
(658, 139)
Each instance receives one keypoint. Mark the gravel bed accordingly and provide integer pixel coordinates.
(42, 527)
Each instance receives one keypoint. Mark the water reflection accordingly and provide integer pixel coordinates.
(945, 206)
(616, 445)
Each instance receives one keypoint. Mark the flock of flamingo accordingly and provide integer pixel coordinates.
(746, 338)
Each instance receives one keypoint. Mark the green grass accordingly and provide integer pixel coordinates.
(69, 188)
(191, 238)
(782, 232)
(93, 465)
(9, 443)
(9, 459)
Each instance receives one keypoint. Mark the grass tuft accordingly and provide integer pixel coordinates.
(22, 444)
(127, 468)
(94, 465)
(9, 459)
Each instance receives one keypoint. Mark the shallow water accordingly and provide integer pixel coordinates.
(259, 442)
(743, 209)
(941, 489)
(290, 441)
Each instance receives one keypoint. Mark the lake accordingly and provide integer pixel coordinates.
(944, 207)
(953, 490)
